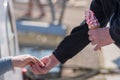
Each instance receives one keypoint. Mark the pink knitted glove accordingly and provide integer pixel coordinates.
(91, 20)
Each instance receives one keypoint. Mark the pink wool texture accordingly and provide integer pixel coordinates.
(91, 19)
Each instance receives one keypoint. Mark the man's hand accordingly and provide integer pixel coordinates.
(49, 62)
(100, 37)
(24, 60)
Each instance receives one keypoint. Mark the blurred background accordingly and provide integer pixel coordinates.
(42, 24)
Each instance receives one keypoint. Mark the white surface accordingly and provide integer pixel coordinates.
(112, 77)
(111, 56)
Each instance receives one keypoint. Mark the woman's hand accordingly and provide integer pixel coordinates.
(24, 60)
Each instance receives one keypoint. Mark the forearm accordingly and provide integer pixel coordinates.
(78, 38)
(73, 43)
(5, 65)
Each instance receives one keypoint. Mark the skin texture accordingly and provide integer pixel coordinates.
(100, 37)
(24, 60)
(49, 62)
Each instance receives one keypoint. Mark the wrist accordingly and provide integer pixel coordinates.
(54, 59)
(14, 62)
(108, 32)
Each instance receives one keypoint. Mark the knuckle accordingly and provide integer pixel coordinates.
(89, 31)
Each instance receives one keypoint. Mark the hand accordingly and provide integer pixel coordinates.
(100, 37)
(24, 60)
(49, 62)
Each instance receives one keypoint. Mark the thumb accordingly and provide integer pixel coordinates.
(45, 60)
(97, 47)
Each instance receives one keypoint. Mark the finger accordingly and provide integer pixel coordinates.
(34, 70)
(42, 70)
(27, 60)
(38, 69)
(90, 38)
(41, 63)
(38, 62)
(31, 59)
(92, 27)
(97, 47)
(90, 32)
(45, 60)
(93, 42)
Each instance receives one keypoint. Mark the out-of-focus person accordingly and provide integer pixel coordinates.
(30, 8)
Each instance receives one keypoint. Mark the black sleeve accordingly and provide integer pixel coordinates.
(115, 26)
(100, 8)
(78, 38)
(72, 43)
